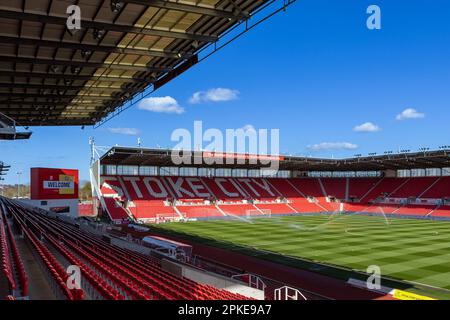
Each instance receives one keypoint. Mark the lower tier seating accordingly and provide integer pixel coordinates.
(13, 278)
(115, 211)
(108, 272)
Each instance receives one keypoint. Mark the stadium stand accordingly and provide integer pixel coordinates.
(148, 198)
(414, 188)
(438, 190)
(13, 279)
(85, 209)
(115, 211)
(335, 187)
(359, 188)
(109, 272)
(383, 188)
(441, 211)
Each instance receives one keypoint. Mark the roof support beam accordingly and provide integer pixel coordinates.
(51, 96)
(190, 8)
(95, 65)
(60, 76)
(78, 108)
(49, 103)
(106, 26)
(91, 47)
(58, 87)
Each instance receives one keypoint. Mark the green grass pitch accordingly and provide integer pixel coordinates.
(417, 251)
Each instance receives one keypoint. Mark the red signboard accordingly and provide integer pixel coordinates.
(54, 184)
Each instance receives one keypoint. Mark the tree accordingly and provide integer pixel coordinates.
(86, 192)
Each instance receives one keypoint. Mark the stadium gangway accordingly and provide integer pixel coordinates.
(253, 281)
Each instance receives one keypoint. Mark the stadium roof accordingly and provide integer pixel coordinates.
(418, 160)
(3, 170)
(50, 75)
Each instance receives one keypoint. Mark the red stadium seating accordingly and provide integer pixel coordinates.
(7, 281)
(275, 208)
(385, 187)
(360, 187)
(110, 272)
(148, 198)
(443, 211)
(438, 190)
(199, 211)
(415, 210)
(239, 209)
(414, 187)
(335, 187)
(85, 209)
(151, 209)
(115, 210)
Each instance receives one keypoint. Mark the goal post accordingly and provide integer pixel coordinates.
(166, 217)
(258, 213)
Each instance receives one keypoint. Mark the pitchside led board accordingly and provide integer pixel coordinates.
(54, 184)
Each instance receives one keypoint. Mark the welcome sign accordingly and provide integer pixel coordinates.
(65, 185)
(48, 183)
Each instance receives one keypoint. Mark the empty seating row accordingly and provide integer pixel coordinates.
(55, 272)
(110, 272)
(7, 281)
(18, 263)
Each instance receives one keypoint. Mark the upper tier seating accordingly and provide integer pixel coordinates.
(414, 187)
(334, 187)
(385, 187)
(359, 187)
(438, 190)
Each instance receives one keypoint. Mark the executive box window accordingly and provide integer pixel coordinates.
(188, 172)
(148, 171)
(128, 170)
(169, 171)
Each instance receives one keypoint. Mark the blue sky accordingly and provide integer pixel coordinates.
(315, 72)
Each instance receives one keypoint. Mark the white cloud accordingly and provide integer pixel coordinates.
(214, 95)
(161, 104)
(126, 131)
(367, 127)
(410, 113)
(332, 146)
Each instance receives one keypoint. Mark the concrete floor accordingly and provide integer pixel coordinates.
(38, 287)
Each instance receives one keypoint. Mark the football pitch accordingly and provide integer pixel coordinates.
(417, 251)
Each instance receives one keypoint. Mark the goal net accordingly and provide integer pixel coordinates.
(166, 218)
(258, 213)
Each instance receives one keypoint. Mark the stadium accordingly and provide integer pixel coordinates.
(194, 222)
